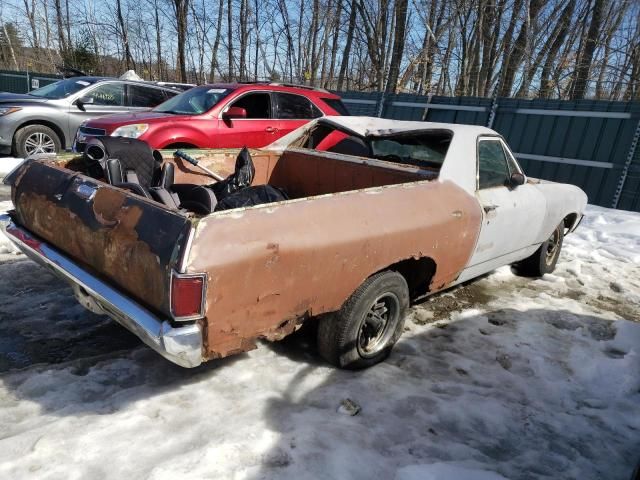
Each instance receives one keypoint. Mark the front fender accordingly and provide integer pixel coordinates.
(168, 134)
(562, 200)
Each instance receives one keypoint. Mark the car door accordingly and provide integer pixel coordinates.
(108, 98)
(293, 111)
(512, 215)
(258, 129)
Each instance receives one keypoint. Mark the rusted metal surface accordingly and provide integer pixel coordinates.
(120, 236)
(271, 265)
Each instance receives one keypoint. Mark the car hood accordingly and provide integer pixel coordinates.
(19, 98)
(117, 120)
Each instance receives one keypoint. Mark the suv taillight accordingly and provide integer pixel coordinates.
(187, 296)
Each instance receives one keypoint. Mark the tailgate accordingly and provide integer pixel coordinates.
(129, 241)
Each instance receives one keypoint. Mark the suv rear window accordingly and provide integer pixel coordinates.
(139, 96)
(337, 105)
(295, 107)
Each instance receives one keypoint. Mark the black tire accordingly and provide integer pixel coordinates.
(363, 332)
(544, 259)
(34, 139)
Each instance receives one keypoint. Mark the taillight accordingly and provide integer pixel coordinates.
(187, 296)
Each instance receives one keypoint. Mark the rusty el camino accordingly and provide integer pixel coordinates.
(368, 215)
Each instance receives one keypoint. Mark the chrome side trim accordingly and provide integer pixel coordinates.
(181, 345)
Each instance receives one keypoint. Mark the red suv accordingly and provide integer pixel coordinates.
(219, 116)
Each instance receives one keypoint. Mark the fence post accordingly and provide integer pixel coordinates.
(625, 168)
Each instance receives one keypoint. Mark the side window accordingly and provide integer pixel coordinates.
(257, 105)
(337, 105)
(139, 96)
(295, 107)
(513, 166)
(492, 164)
(111, 94)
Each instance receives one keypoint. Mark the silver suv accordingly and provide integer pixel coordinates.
(46, 120)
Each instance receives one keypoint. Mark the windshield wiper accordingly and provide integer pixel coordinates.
(173, 112)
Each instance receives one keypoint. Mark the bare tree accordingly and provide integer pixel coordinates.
(585, 56)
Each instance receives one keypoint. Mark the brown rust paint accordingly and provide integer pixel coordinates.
(123, 238)
(272, 265)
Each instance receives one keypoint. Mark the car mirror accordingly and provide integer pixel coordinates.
(234, 112)
(82, 101)
(516, 179)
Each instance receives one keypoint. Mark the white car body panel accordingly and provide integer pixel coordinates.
(524, 216)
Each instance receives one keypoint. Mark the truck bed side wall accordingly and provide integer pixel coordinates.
(268, 266)
(306, 173)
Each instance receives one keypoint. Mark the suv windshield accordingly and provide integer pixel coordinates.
(62, 89)
(194, 102)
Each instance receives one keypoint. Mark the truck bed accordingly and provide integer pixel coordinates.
(266, 267)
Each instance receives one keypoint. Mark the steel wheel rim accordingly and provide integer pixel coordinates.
(39, 142)
(378, 324)
(553, 244)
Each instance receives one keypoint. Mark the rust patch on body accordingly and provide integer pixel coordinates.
(271, 267)
(114, 252)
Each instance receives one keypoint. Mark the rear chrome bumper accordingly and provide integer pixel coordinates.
(181, 345)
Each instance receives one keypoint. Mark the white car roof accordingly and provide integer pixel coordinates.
(373, 126)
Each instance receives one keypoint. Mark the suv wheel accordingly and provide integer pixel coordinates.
(34, 139)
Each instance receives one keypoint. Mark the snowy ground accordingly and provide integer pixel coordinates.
(7, 164)
(502, 378)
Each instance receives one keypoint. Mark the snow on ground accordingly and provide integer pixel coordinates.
(505, 377)
(7, 164)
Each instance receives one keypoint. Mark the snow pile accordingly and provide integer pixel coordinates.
(506, 378)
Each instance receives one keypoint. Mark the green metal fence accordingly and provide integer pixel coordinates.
(24, 82)
(592, 144)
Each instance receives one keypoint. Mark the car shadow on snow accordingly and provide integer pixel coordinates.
(527, 394)
(49, 343)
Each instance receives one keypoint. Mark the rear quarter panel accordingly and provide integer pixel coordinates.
(271, 265)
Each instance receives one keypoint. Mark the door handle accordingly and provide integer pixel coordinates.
(271, 130)
(489, 208)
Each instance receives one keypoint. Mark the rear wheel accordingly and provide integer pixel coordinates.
(544, 259)
(363, 332)
(35, 139)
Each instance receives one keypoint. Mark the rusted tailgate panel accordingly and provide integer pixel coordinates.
(132, 242)
(270, 265)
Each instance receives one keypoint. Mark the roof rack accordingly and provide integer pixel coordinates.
(283, 84)
(295, 85)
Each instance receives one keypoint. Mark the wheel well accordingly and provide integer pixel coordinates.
(570, 220)
(418, 273)
(178, 145)
(52, 126)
